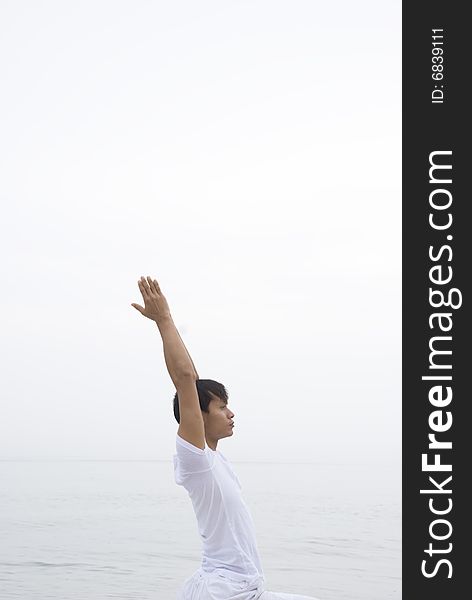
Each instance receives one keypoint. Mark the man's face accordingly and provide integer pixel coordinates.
(218, 421)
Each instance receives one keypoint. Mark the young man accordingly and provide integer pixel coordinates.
(231, 568)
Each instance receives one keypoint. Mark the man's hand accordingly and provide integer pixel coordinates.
(155, 304)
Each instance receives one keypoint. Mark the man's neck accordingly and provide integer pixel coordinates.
(212, 444)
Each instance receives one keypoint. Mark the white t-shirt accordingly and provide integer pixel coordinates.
(224, 521)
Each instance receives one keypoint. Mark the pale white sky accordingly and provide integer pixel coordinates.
(246, 154)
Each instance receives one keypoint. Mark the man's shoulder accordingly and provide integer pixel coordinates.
(191, 462)
(180, 441)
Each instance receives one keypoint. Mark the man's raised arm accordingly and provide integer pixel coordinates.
(179, 364)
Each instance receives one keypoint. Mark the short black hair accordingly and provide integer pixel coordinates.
(205, 387)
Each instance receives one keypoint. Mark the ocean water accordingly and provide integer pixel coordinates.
(93, 530)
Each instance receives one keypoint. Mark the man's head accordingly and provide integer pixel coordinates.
(217, 417)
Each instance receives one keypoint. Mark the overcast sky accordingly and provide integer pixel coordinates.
(247, 155)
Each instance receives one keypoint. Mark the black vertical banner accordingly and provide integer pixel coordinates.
(437, 267)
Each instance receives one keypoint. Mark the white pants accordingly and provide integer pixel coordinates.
(280, 596)
(217, 586)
